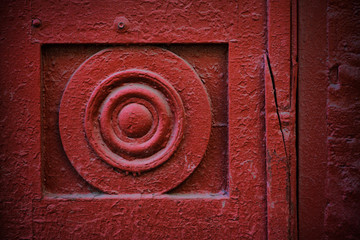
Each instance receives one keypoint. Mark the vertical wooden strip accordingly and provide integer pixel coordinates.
(293, 118)
(280, 112)
(276, 165)
(312, 97)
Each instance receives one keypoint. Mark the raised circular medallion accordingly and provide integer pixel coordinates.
(139, 110)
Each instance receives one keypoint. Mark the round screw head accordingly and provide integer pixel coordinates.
(36, 22)
(121, 25)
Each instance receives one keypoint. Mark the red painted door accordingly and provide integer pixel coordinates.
(149, 119)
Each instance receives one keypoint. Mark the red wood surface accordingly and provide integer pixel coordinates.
(312, 118)
(280, 115)
(229, 195)
(343, 121)
(329, 111)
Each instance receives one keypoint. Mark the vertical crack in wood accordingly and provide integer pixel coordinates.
(276, 102)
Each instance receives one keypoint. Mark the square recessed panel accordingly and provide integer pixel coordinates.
(59, 62)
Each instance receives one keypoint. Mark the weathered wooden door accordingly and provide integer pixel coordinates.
(148, 120)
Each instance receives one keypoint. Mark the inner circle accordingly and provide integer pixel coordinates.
(135, 120)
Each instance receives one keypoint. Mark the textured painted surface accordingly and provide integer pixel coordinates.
(312, 118)
(137, 219)
(280, 117)
(19, 121)
(239, 212)
(149, 21)
(342, 188)
(329, 169)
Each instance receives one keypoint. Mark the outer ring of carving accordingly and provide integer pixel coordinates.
(121, 89)
(196, 130)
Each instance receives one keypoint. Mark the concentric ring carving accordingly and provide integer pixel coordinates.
(134, 120)
(140, 110)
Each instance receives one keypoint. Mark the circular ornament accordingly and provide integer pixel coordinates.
(122, 110)
(139, 110)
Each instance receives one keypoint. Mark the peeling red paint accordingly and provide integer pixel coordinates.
(280, 119)
(223, 194)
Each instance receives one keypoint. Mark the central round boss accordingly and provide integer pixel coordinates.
(135, 120)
